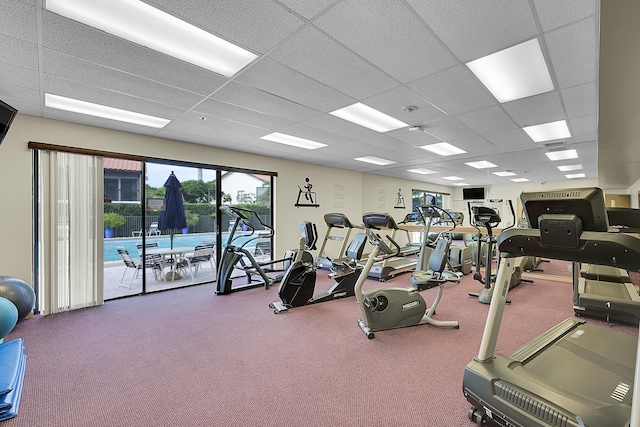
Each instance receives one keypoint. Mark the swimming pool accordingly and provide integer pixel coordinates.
(111, 254)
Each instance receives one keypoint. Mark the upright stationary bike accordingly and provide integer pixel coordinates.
(389, 308)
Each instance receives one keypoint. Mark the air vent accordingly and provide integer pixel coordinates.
(620, 392)
(533, 406)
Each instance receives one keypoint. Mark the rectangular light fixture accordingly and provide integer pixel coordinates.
(482, 164)
(368, 117)
(575, 175)
(97, 110)
(294, 141)
(504, 173)
(443, 149)
(548, 131)
(422, 171)
(519, 180)
(569, 168)
(452, 178)
(460, 183)
(514, 73)
(374, 160)
(562, 154)
(145, 25)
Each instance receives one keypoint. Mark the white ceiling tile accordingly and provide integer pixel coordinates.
(580, 100)
(18, 52)
(487, 120)
(571, 49)
(535, 110)
(306, 8)
(583, 126)
(449, 129)
(18, 21)
(393, 101)
(277, 79)
(511, 139)
(454, 90)
(316, 55)
(17, 76)
(489, 25)
(223, 110)
(242, 95)
(389, 35)
(553, 14)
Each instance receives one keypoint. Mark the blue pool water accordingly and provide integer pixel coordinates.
(111, 254)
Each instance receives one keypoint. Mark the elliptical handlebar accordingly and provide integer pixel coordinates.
(243, 217)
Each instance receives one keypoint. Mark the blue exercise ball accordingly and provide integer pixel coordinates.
(20, 293)
(8, 317)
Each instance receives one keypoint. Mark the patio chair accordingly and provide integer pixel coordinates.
(153, 231)
(136, 264)
(156, 262)
(202, 253)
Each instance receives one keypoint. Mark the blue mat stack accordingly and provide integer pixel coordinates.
(12, 366)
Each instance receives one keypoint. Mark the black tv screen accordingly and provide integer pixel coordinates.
(586, 203)
(7, 113)
(473, 193)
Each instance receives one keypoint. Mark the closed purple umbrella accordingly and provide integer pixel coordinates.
(173, 216)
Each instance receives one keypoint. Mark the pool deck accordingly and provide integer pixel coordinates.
(114, 289)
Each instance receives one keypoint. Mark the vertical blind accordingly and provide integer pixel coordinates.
(70, 231)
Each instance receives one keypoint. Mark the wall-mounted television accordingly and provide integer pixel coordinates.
(7, 113)
(473, 193)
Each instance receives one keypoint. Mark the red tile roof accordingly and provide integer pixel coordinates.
(122, 165)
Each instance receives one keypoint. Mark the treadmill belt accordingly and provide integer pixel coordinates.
(592, 362)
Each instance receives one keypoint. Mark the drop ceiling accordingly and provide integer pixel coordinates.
(318, 56)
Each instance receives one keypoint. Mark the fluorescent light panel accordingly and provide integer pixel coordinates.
(97, 110)
(452, 178)
(575, 175)
(562, 155)
(421, 171)
(548, 131)
(294, 141)
(519, 180)
(461, 183)
(517, 72)
(482, 164)
(443, 149)
(504, 173)
(375, 160)
(569, 168)
(145, 25)
(368, 117)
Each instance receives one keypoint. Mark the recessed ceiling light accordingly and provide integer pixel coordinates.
(422, 171)
(443, 149)
(98, 110)
(548, 131)
(562, 154)
(368, 117)
(575, 175)
(375, 160)
(519, 179)
(568, 168)
(143, 24)
(482, 164)
(452, 178)
(294, 141)
(514, 73)
(460, 183)
(505, 173)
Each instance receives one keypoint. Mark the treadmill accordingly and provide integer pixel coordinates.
(335, 221)
(575, 374)
(606, 291)
(388, 267)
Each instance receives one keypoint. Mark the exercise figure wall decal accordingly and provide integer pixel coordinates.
(310, 197)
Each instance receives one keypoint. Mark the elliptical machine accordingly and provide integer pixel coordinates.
(235, 252)
(483, 216)
(298, 284)
(390, 308)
